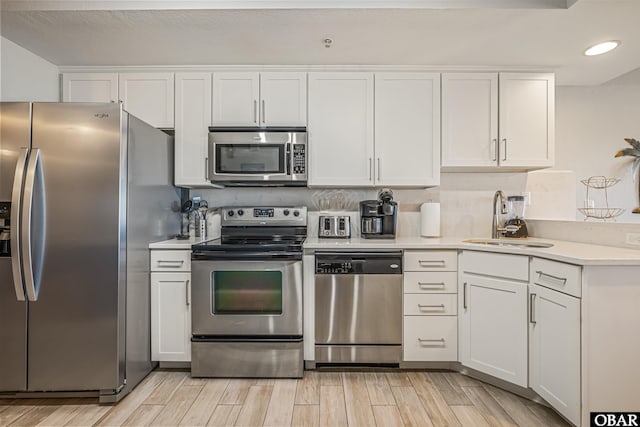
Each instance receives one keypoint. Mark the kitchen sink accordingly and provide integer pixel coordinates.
(511, 243)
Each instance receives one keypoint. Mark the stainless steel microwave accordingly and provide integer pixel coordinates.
(265, 157)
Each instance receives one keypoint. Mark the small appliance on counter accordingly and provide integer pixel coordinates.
(515, 225)
(334, 226)
(379, 218)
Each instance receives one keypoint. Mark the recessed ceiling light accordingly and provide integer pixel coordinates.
(601, 48)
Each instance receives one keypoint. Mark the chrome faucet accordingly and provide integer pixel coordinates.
(495, 226)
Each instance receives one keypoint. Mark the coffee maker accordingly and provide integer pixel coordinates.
(5, 234)
(379, 218)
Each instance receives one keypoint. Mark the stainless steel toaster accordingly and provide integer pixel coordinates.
(334, 226)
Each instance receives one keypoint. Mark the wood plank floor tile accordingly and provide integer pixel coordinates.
(64, 413)
(120, 412)
(14, 412)
(178, 406)
(200, 412)
(546, 415)
(490, 409)
(398, 379)
(306, 416)
(411, 409)
(379, 389)
(330, 378)
(439, 412)
(255, 406)
(387, 416)
(462, 380)
(356, 398)
(143, 415)
(224, 415)
(333, 412)
(308, 391)
(452, 394)
(35, 415)
(280, 409)
(514, 406)
(469, 416)
(88, 415)
(163, 392)
(236, 392)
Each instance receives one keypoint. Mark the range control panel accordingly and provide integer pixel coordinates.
(264, 215)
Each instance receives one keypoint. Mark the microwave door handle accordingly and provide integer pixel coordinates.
(289, 154)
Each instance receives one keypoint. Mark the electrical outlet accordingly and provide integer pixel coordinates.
(633, 238)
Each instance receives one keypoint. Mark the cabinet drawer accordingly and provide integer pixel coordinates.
(162, 260)
(497, 265)
(431, 261)
(417, 282)
(430, 338)
(563, 277)
(430, 304)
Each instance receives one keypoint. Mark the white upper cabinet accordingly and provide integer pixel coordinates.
(340, 130)
(259, 99)
(407, 129)
(148, 96)
(469, 119)
(90, 87)
(527, 125)
(193, 118)
(283, 99)
(497, 121)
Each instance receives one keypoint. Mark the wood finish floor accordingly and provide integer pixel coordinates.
(172, 398)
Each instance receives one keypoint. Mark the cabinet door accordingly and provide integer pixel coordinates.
(283, 99)
(171, 317)
(554, 328)
(235, 99)
(148, 96)
(90, 87)
(407, 129)
(526, 120)
(493, 327)
(340, 129)
(193, 117)
(469, 120)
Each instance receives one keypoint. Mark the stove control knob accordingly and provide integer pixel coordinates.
(240, 212)
(296, 213)
(230, 213)
(286, 212)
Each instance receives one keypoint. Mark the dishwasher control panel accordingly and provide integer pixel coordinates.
(359, 263)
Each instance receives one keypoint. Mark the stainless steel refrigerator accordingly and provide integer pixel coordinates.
(85, 189)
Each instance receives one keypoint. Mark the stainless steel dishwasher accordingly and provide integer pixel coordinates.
(358, 304)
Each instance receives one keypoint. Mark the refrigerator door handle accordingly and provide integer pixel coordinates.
(16, 196)
(32, 283)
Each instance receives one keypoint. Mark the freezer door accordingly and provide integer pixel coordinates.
(14, 144)
(76, 247)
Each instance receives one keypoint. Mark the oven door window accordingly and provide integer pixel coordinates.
(247, 159)
(247, 292)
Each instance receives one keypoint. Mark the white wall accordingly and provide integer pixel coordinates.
(25, 76)
(591, 124)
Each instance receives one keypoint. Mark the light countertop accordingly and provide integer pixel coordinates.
(570, 252)
(178, 244)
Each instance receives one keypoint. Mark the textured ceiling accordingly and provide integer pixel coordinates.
(537, 38)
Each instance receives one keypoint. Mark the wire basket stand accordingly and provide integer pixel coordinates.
(604, 212)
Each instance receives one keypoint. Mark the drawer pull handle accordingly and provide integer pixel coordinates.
(440, 306)
(188, 292)
(160, 261)
(430, 262)
(464, 295)
(543, 274)
(430, 285)
(423, 340)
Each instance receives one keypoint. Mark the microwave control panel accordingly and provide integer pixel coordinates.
(299, 159)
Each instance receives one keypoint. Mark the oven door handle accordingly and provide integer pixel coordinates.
(245, 256)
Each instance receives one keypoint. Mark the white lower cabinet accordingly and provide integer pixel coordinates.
(430, 322)
(554, 366)
(493, 317)
(170, 313)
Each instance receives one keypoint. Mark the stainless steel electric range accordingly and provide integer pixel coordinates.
(247, 295)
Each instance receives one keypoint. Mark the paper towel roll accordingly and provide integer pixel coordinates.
(430, 219)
